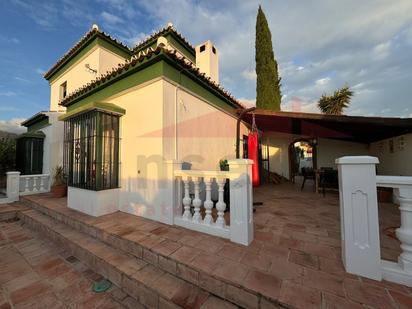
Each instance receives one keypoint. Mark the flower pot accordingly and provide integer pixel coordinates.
(59, 190)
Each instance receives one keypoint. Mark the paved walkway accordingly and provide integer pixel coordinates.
(295, 257)
(34, 273)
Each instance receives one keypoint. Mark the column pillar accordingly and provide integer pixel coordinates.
(172, 199)
(241, 201)
(359, 216)
(404, 233)
(13, 186)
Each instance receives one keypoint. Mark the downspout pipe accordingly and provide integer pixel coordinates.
(239, 119)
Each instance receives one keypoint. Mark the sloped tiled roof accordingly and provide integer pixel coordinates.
(136, 60)
(162, 32)
(90, 35)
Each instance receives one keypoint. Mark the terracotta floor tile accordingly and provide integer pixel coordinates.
(402, 300)
(232, 252)
(367, 294)
(166, 247)
(231, 271)
(185, 254)
(299, 296)
(304, 259)
(331, 301)
(323, 281)
(259, 261)
(263, 283)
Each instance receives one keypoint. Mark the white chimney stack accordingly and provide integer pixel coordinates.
(207, 60)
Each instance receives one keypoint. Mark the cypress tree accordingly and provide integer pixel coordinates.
(268, 94)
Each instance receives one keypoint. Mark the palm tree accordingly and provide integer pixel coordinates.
(334, 104)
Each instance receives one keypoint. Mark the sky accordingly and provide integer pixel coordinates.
(320, 45)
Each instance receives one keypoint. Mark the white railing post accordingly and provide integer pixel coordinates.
(197, 202)
(187, 201)
(172, 200)
(220, 205)
(241, 201)
(404, 233)
(359, 216)
(208, 202)
(13, 186)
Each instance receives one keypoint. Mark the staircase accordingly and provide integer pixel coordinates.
(152, 278)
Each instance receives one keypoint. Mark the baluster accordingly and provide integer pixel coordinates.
(35, 184)
(197, 202)
(208, 202)
(41, 183)
(186, 200)
(26, 185)
(220, 205)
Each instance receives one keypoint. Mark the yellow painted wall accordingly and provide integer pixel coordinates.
(205, 133)
(78, 75)
(141, 149)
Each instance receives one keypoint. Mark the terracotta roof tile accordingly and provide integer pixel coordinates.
(94, 31)
(161, 32)
(135, 61)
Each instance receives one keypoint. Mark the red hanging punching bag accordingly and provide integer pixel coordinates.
(253, 154)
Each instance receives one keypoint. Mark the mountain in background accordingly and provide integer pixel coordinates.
(4, 134)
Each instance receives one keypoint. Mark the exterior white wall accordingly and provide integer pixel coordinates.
(98, 58)
(93, 203)
(329, 150)
(53, 143)
(279, 151)
(396, 162)
(147, 130)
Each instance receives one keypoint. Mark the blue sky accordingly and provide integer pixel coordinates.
(320, 45)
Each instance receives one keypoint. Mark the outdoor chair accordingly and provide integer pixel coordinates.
(328, 179)
(307, 173)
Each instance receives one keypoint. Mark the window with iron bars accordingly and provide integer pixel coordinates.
(91, 151)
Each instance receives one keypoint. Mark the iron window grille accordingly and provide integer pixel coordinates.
(29, 155)
(91, 150)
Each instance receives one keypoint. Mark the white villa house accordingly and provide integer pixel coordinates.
(143, 131)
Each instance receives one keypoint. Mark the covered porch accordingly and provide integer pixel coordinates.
(294, 259)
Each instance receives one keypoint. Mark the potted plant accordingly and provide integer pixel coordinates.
(224, 166)
(59, 187)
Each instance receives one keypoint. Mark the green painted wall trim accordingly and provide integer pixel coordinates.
(37, 134)
(150, 69)
(38, 125)
(83, 50)
(174, 39)
(101, 106)
(176, 42)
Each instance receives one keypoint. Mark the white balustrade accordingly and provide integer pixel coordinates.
(196, 204)
(360, 224)
(34, 184)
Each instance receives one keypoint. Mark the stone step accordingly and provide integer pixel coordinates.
(10, 211)
(157, 251)
(151, 286)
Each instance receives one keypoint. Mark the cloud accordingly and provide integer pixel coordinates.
(40, 71)
(12, 125)
(248, 102)
(382, 50)
(7, 93)
(249, 74)
(322, 81)
(110, 18)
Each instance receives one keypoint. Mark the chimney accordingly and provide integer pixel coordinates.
(207, 60)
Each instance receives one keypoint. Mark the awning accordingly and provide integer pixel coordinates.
(100, 106)
(340, 127)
